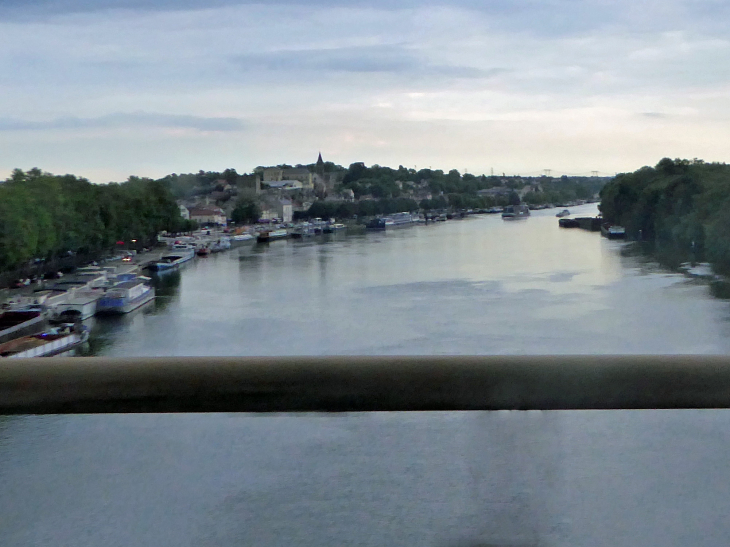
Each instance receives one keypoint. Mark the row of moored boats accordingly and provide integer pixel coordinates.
(48, 321)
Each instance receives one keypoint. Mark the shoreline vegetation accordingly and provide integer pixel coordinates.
(680, 209)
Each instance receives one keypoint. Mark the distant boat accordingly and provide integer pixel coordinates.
(332, 228)
(302, 231)
(400, 219)
(563, 213)
(613, 232)
(180, 254)
(223, 244)
(203, 251)
(272, 235)
(515, 212)
(396, 220)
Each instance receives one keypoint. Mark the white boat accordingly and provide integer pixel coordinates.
(515, 212)
(79, 307)
(333, 228)
(125, 297)
(396, 220)
(223, 244)
(51, 342)
(39, 299)
(399, 219)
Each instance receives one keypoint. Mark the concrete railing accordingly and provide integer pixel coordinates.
(341, 384)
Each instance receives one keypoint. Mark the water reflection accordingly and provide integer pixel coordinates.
(477, 286)
(720, 289)
(106, 329)
(650, 478)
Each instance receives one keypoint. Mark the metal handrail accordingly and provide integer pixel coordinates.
(341, 384)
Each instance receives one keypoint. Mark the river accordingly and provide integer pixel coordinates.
(475, 286)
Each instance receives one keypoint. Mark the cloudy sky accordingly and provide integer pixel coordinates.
(111, 88)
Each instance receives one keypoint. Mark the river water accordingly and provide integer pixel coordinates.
(476, 286)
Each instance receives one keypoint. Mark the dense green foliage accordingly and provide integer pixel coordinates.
(460, 191)
(43, 215)
(679, 203)
(565, 189)
(201, 183)
(385, 182)
(246, 210)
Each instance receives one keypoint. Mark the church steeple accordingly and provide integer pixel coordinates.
(319, 168)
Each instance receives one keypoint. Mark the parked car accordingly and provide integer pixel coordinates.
(20, 283)
(52, 275)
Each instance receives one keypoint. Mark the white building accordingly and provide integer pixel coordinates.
(285, 184)
(184, 212)
(208, 215)
(284, 210)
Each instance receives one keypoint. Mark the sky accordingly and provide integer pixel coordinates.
(106, 89)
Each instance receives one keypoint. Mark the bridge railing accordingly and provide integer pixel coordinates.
(344, 384)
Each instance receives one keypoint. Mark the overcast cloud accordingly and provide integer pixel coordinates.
(112, 88)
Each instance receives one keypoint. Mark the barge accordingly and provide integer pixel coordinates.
(17, 323)
(515, 212)
(125, 297)
(272, 235)
(55, 341)
(613, 232)
(182, 254)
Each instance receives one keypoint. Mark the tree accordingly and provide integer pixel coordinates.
(246, 210)
(43, 215)
(230, 176)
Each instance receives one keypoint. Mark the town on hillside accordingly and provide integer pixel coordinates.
(325, 189)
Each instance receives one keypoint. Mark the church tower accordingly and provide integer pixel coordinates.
(319, 168)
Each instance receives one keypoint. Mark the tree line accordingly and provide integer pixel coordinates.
(459, 190)
(678, 204)
(45, 216)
